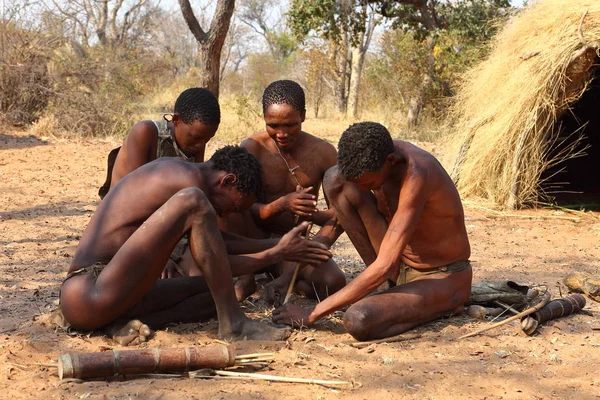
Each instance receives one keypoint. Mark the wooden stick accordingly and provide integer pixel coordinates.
(506, 306)
(296, 269)
(391, 339)
(275, 378)
(545, 299)
(253, 355)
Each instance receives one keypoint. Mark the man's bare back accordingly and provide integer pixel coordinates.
(440, 237)
(404, 216)
(115, 270)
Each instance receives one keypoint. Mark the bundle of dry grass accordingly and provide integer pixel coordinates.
(507, 111)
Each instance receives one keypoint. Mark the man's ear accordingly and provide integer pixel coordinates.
(228, 180)
(176, 119)
(391, 158)
(303, 114)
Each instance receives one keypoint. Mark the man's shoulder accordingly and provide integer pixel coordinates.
(317, 143)
(146, 129)
(256, 142)
(320, 149)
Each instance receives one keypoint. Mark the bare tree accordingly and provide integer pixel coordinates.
(182, 52)
(210, 42)
(261, 16)
(235, 50)
(112, 22)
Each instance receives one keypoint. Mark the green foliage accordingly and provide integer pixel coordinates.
(330, 19)
(474, 20)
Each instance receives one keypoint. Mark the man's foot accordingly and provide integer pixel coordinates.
(254, 330)
(132, 333)
(244, 287)
(276, 290)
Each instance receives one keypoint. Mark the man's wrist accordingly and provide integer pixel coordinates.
(275, 254)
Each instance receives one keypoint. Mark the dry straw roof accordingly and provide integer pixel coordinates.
(507, 111)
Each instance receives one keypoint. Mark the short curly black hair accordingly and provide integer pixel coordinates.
(363, 147)
(198, 104)
(284, 92)
(237, 161)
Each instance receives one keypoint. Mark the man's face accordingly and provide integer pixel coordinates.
(192, 138)
(369, 180)
(284, 124)
(227, 199)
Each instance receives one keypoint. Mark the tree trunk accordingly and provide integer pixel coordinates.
(341, 99)
(358, 61)
(356, 71)
(211, 42)
(415, 105)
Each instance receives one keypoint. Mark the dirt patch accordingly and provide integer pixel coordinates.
(48, 194)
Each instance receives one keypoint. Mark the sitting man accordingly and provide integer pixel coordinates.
(293, 163)
(114, 275)
(195, 120)
(404, 216)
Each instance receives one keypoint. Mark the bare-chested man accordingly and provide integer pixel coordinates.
(114, 274)
(404, 216)
(195, 120)
(293, 163)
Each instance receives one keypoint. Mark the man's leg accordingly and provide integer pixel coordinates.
(408, 305)
(321, 281)
(357, 212)
(243, 224)
(134, 270)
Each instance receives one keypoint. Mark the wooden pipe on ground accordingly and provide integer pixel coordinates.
(143, 361)
(554, 309)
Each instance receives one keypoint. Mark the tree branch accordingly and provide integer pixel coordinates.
(192, 21)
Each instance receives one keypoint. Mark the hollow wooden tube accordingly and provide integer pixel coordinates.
(554, 309)
(143, 361)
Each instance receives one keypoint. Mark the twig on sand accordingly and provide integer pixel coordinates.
(263, 377)
(397, 338)
(545, 299)
(507, 307)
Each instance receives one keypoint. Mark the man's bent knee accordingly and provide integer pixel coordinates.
(356, 322)
(334, 281)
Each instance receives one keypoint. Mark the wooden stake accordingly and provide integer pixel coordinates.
(391, 339)
(545, 299)
(297, 266)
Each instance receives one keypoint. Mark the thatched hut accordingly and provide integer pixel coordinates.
(528, 117)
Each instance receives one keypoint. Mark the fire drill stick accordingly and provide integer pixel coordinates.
(297, 266)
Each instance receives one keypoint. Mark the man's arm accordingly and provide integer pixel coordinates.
(262, 253)
(410, 207)
(140, 142)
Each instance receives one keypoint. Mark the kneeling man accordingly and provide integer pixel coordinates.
(114, 275)
(404, 216)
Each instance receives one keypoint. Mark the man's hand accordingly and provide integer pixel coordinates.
(171, 270)
(293, 247)
(301, 202)
(293, 315)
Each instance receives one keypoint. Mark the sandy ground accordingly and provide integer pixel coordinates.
(48, 193)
